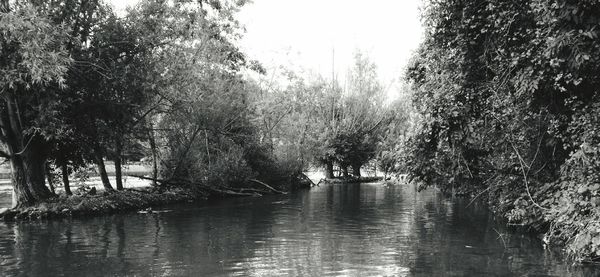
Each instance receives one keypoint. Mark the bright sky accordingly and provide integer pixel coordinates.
(309, 31)
(305, 34)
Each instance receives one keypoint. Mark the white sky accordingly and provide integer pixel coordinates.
(303, 33)
(308, 31)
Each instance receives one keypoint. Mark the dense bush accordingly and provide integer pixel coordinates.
(508, 94)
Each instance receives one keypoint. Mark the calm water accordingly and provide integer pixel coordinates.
(347, 230)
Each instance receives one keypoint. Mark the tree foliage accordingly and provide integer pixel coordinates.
(81, 85)
(33, 62)
(504, 89)
(313, 121)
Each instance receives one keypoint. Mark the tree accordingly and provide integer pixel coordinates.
(33, 61)
(203, 113)
(392, 148)
(361, 119)
(314, 120)
(68, 156)
(114, 93)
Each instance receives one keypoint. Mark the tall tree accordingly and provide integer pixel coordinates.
(33, 63)
(361, 116)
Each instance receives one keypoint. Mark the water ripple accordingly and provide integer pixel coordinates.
(336, 230)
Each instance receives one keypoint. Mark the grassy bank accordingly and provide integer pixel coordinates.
(90, 201)
(102, 203)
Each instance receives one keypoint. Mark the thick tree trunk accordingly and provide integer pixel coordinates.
(356, 170)
(102, 171)
(65, 177)
(329, 170)
(118, 165)
(28, 181)
(26, 154)
(21, 194)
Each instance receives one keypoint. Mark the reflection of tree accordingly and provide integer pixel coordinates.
(120, 232)
(156, 244)
(454, 239)
(68, 244)
(342, 229)
(104, 236)
(204, 239)
(67, 247)
(334, 232)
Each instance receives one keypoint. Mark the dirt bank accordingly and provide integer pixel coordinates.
(102, 203)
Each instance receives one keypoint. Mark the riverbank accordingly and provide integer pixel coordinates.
(102, 203)
(85, 204)
(92, 201)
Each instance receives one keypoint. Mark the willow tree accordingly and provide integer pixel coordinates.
(333, 123)
(33, 62)
(352, 118)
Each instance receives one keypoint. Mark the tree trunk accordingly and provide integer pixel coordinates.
(48, 171)
(329, 170)
(375, 169)
(118, 164)
(65, 177)
(21, 194)
(26, 154)
(102, 170)
(345, 171)
(154, 156)
(28, 181)
(356, 170)
(118, 173)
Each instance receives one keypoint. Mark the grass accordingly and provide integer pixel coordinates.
(102, 203)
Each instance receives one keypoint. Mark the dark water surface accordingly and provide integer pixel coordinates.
(333, 230)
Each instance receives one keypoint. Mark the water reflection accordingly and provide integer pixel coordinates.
(367, 230)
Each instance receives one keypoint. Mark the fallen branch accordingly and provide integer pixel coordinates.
(231, 192)
(251, 190)
(304, 177)
(266, 186)
(224, 191)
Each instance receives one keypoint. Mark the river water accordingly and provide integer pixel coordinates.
(332, 230)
